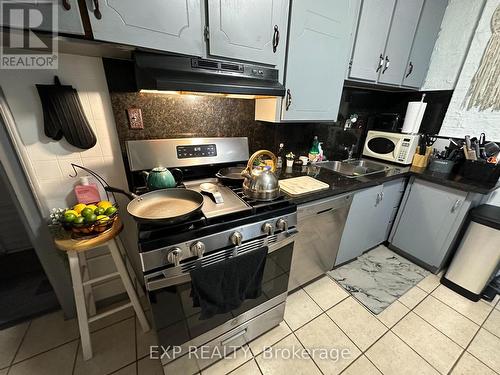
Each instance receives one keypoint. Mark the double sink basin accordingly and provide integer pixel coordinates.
(354, 168)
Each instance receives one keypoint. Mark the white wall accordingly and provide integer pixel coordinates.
(48, 162)
(459, 121)
(457, 29)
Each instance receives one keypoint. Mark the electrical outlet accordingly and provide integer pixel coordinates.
(135, 118)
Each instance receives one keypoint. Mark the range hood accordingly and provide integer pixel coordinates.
(193, 74)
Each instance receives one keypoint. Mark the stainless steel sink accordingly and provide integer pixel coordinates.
(354, 168)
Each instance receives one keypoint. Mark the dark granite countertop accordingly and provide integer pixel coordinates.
(340, 184)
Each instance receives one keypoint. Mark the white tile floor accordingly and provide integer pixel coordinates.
(429, 330)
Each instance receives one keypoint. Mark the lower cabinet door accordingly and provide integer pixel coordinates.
(428, 217)
(360, 231)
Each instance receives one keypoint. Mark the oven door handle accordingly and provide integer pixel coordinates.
(180, 279)
(290, 237)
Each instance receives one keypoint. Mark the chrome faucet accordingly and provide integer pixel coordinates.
(350, 152)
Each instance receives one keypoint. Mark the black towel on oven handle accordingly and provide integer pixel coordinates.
(224, 286)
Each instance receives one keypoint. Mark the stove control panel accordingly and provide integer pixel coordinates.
(196, 151)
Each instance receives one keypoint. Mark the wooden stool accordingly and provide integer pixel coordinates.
(74, 248)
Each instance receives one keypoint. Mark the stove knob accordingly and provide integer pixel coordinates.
(282, 224)
(236, 238)
(198, 249)
(174, 256)
(268, 229)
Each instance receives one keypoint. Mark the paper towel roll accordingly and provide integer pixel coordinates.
(413, 118)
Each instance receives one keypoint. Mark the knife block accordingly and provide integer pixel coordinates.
(421, 161)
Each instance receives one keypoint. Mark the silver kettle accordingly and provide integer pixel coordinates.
(260, 182)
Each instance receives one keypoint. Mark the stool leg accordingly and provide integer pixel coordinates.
(89, 296)
(127, 283)
(81, 309)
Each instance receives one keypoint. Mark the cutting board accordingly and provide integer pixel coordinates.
(302, 185)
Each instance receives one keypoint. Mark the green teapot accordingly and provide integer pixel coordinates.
(162, 178)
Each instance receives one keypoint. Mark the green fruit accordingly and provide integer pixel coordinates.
(69, 217)
(87, 211)
(110, 211)
(99, 211)
(79, 221)
(90, 218)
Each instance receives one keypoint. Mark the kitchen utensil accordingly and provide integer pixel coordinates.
(430, 140)
(469, 153)
(165, 206)
(212, 191)
(491, 149)
(422, 145)
(63, 115)
(231, 175)
(298, 186)
(260, 182)
(162, 178)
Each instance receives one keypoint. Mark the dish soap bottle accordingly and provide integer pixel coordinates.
(314, 151)
(87, 192)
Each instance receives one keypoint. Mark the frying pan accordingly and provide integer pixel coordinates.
(230, 175)
(165, 206)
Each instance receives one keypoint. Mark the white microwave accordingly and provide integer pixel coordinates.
(394, 147)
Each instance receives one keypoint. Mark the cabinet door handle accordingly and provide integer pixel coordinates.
(456, 205)
(377, 200)
(380, 62)
(381, 196)
(66, 5)
(97, 12)
(288, 100)
(276, 38)
(387, 63)
(410, 70)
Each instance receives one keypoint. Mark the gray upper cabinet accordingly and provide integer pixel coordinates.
(69, 20)
(394, 41)
(403, 26)
(174, 25)
(318, 49)
(428, 221)
(423, 44)
(373, 27)
(248, 30)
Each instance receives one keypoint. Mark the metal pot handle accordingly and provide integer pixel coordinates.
(256, 154)
(129, 195)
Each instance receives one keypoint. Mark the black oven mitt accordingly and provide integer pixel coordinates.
(224, 286)
(63, 115)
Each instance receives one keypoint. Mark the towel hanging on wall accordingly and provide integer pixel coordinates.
(63, 115)
(484, 90)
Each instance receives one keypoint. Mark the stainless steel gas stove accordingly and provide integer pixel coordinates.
(233, 226)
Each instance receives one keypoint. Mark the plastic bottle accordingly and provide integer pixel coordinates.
(314, 151)
(87, 192)
(279, 156)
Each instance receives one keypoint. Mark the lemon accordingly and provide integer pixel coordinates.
(102, 218)
(79, 207)
(73, 212)
(92, 207)
(104, 204)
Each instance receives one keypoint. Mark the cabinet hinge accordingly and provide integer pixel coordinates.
(206, 33)
(350, 65)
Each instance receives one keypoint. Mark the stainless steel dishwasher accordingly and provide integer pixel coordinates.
(320, 224)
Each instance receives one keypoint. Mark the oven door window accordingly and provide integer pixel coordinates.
(381, 146)
(177, 321)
